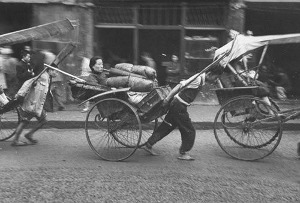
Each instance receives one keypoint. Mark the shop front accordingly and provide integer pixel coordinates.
(124, 31)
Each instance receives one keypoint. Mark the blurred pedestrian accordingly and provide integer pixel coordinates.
(57, 90)
(71, 66)
(57, 82)
(3, 83)
(282, 85)
(173, 71)
(49, 57)
(148, 60)
(85, 71)
(9, 69)
(24, 70)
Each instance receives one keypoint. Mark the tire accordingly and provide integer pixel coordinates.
(113, 129)
(8, 123)
(244, 131)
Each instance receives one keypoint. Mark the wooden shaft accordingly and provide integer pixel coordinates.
(68, 74)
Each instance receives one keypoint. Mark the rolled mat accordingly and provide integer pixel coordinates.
(146, 71)
(136, 84)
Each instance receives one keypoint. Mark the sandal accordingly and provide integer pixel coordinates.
(185, 157)
(30, 139)
(18, 143)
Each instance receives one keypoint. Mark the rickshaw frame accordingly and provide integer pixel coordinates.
(245, 127)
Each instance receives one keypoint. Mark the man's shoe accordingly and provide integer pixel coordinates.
(150, 150)
(185, 157)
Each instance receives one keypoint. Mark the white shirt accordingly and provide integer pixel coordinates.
(196, 83)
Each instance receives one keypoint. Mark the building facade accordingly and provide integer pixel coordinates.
(125, 29)
(21, 14)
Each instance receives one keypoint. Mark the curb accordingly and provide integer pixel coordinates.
(206, 125)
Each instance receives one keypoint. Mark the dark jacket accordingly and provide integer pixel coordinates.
(23, 72)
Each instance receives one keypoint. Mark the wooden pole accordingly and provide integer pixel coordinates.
(68, 74)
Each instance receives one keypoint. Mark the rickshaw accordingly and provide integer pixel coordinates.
(245, 126)
(116, 127)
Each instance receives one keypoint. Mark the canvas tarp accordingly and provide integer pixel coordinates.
(244, 44)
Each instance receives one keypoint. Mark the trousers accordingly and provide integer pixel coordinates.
(177, 117)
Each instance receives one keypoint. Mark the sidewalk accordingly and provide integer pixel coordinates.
(202, 114)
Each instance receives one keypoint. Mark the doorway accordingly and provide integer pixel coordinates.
(160, 44)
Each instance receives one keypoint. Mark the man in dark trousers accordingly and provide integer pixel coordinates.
(23, 69)
(181, 97)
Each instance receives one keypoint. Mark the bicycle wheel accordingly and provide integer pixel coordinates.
(8, 123)
(244, 131)
(113, 129)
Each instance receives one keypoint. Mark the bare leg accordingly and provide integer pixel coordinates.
(18, 132)
(266, 100)
(29, 135)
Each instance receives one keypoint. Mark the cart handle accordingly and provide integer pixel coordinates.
(68, 74)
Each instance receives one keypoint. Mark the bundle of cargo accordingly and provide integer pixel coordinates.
(138, 78)
(136, 84)
(145, 71)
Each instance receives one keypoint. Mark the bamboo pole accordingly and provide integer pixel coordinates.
(63, 72)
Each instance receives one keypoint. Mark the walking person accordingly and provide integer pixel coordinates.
(9, 69)
(32, 96)
(148, 60)
(24, 71)
(85, 71)
(3, 83)
(56, 89)
(173, 72)
(178, 116)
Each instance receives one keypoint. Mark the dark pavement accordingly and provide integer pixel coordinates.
(202, 114)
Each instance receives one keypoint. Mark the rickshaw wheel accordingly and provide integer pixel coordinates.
(8, 123)
(244, 131)
(113, 129)
(147, 131)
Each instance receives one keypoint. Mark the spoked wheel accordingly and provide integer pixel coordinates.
(245, 131)
(113, 129)
(147, 131)
(8, 124)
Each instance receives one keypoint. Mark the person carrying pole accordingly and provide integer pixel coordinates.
(179, 99)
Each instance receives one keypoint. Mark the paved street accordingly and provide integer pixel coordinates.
(62, 168)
